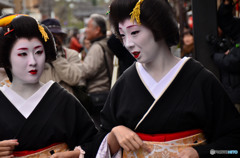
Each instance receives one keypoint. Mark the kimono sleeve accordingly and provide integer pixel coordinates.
(81, 128)
(222, 128)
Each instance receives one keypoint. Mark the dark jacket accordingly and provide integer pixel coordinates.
(229, 64)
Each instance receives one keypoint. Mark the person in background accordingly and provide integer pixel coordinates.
(188, 43)
(74, 41)
(228, 60)
(65, 69)
(97, 67)
(163, 105)
(86, 47)
(36, 119)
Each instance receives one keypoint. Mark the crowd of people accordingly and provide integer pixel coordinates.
(56, 99)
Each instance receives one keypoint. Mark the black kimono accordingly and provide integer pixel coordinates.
(195, 99)
(58, 118)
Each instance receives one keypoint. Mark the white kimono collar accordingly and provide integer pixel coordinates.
(26, 106)
(156, 88)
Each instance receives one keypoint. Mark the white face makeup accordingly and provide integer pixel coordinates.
(139, 41)
(27, 59)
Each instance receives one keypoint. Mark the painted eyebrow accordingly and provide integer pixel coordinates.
(129, 26)
(37, 47)
(27, 48)
(22, 49)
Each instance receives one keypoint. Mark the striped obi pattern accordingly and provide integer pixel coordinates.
(167, 145)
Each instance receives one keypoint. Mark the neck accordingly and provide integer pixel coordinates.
(100, 37)
(162, 64)
(25, 90)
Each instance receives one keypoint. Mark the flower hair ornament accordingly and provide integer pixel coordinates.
(5, 21)
(44, 34)
(135, 14)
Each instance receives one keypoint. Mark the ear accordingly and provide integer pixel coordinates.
(98, 30)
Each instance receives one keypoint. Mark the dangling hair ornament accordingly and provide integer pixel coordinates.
(135, 14)
(43, 32)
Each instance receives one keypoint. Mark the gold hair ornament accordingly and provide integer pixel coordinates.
(8, 19)
(135, 14)
(43, 32)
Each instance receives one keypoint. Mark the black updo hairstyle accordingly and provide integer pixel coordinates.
(157, 15)
(23, 27)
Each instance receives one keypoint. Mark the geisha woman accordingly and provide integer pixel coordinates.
(163, 106)
(36, 119)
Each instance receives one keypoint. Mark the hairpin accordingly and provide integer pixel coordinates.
(8, 32)
(135, 14)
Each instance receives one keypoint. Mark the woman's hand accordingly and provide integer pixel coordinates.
(7, 147)
(128, 139)
(66, 154)
(188, 153)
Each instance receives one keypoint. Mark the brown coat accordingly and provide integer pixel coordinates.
(64, 71)
(93, 68)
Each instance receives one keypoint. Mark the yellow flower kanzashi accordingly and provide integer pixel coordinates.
(135, 14)
(43, 32)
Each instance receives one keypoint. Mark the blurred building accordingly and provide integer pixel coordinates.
(5, 4)
(85, 9)
(30, 7)
(26, 6)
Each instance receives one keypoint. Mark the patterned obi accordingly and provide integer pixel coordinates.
(42, 153)
(166, 145)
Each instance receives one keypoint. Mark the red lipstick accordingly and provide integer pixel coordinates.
(136, 54)
(33, 72)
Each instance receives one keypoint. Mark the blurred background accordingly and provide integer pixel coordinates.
(73, 13)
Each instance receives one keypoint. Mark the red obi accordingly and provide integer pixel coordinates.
(168, 136)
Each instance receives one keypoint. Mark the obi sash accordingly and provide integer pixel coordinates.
(166, 145)
(42, 153)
